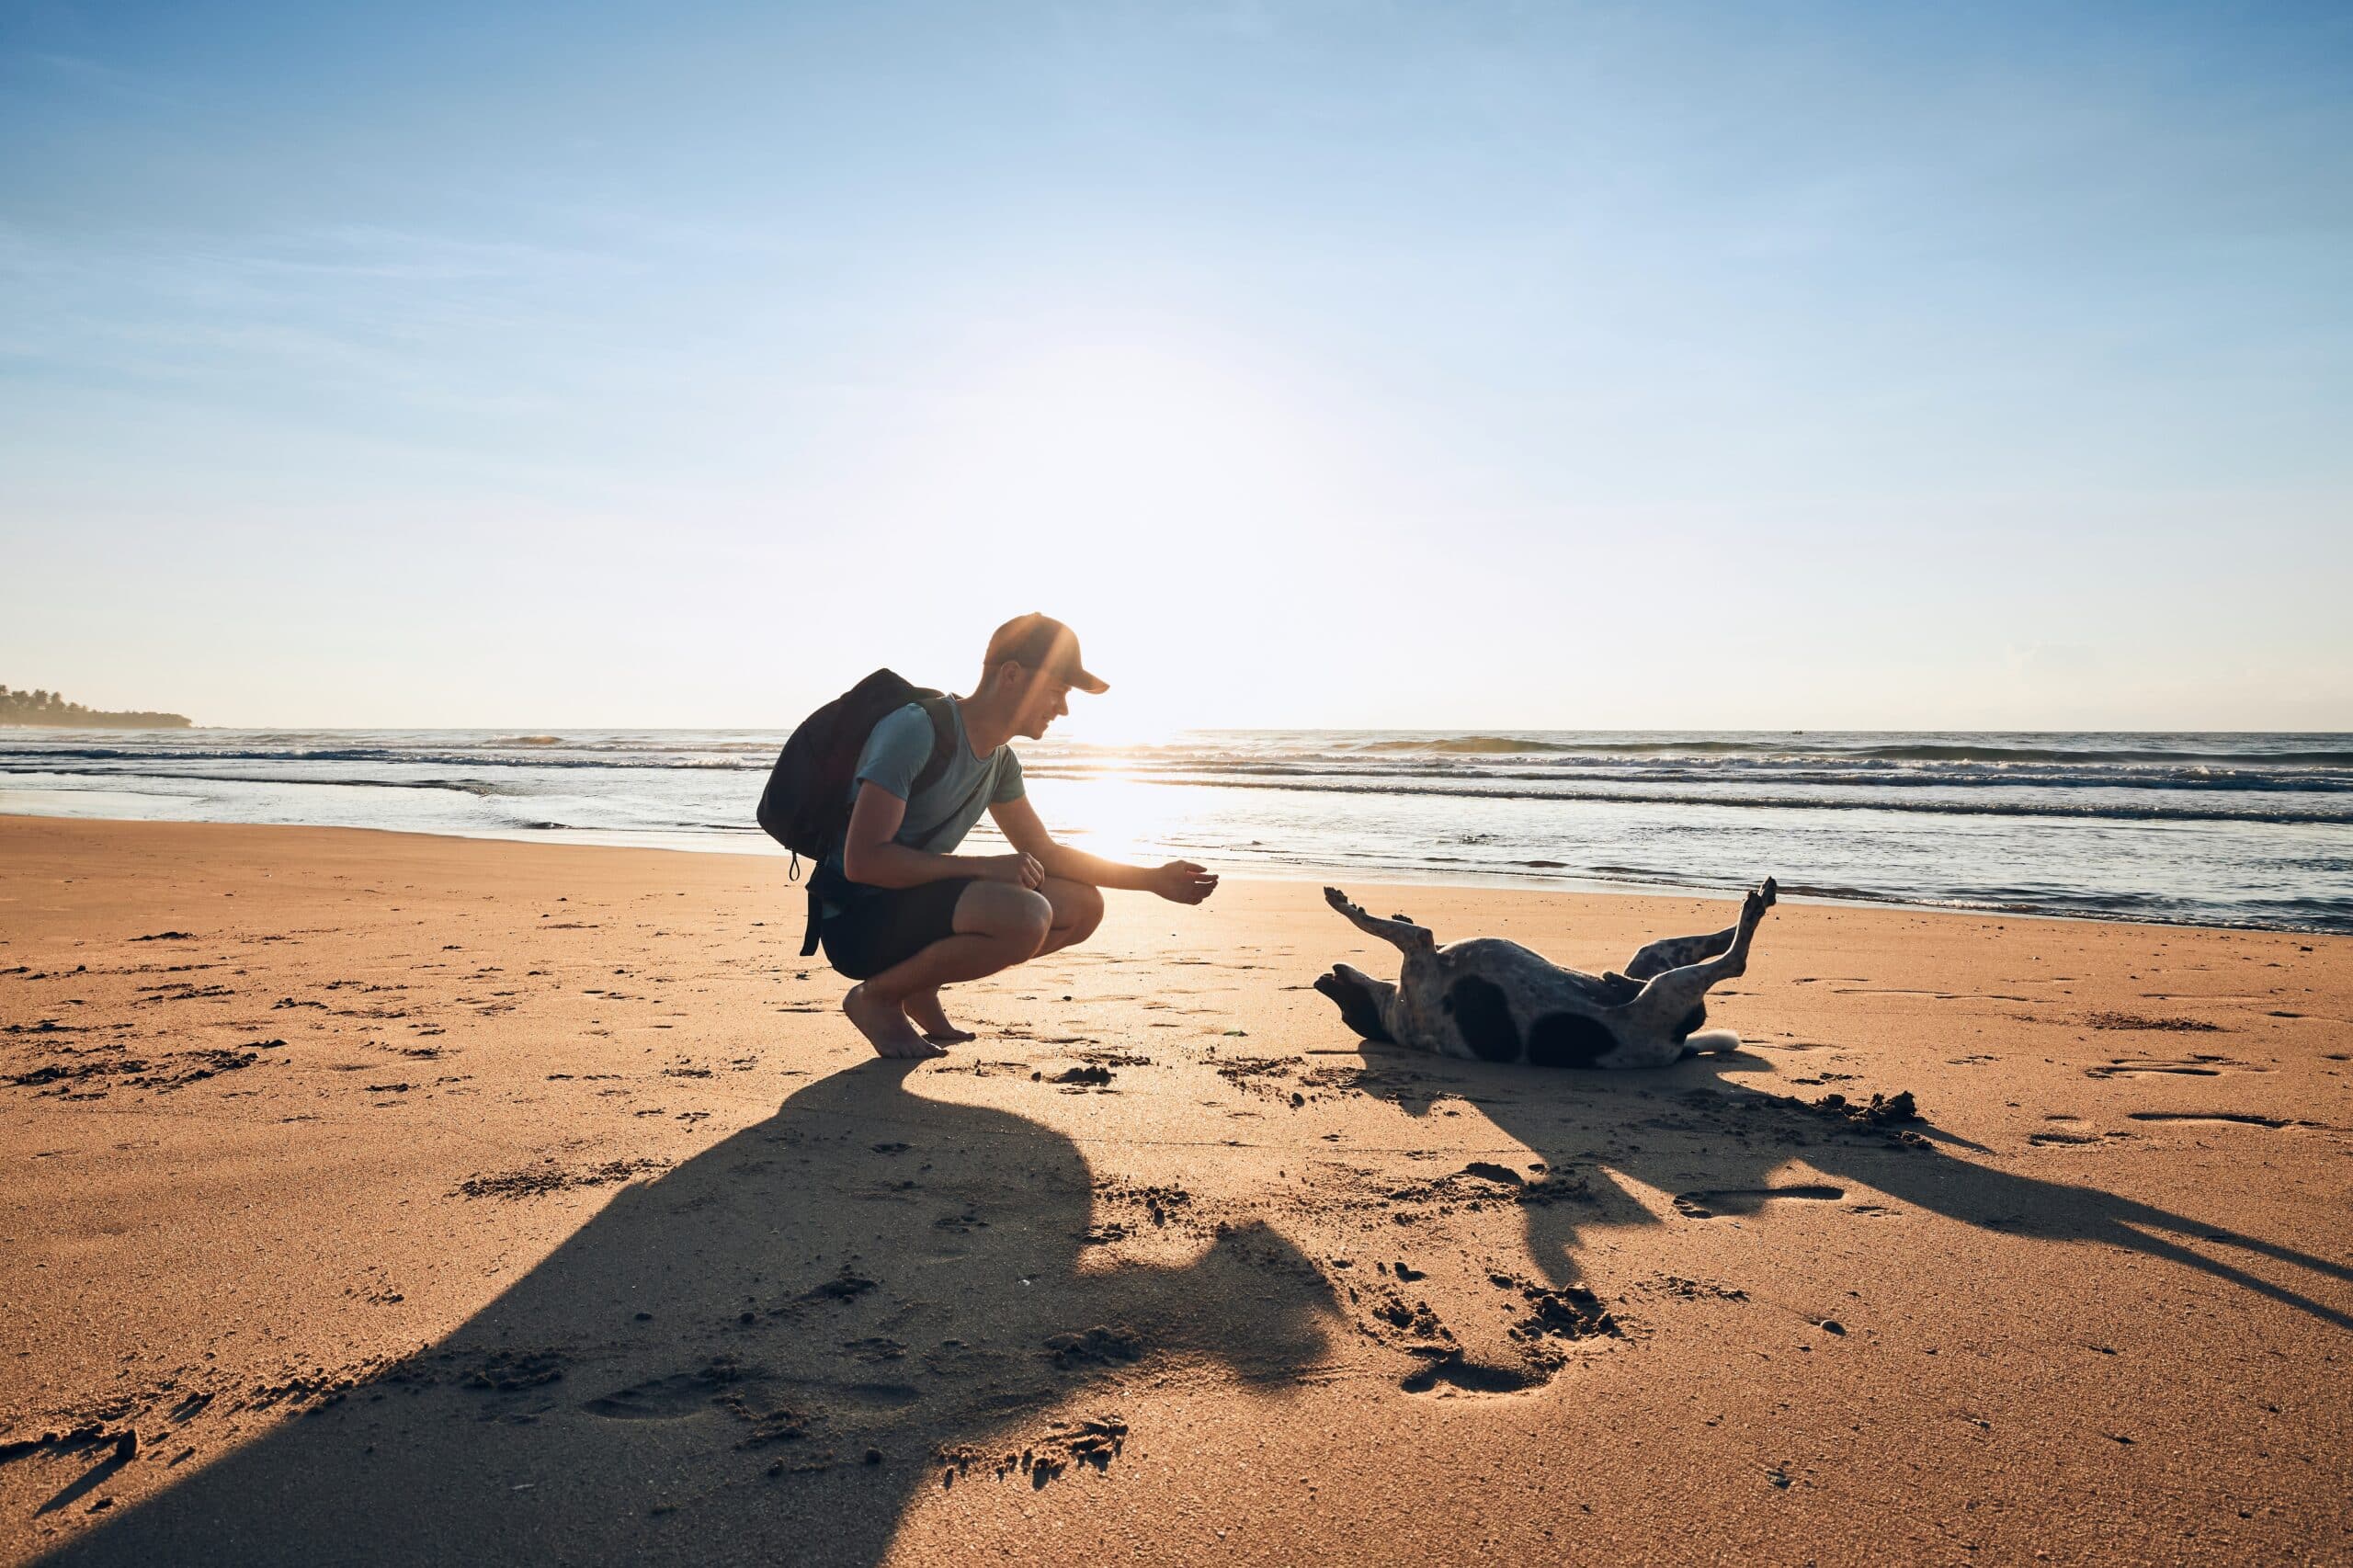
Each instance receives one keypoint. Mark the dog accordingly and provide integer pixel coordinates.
(1489, 1000)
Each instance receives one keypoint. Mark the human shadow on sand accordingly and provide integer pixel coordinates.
(763, 1356)
(1717, 1147)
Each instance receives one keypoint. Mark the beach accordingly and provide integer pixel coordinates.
(384, 1197)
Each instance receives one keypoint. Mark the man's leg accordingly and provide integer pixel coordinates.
(996, 926)
(1077, 911)
(931, 1020)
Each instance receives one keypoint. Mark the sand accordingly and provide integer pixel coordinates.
(375, 1198)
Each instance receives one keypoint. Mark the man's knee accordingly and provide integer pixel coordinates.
(1078, 908)
(1013, 915)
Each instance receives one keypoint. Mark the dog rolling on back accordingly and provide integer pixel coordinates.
(1489, 1000)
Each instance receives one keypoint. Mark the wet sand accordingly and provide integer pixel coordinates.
(375, 1198)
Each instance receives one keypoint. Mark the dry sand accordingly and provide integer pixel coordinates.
(417, 1199)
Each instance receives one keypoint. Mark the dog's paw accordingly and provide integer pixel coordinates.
(1338, 900)
(1771, 892)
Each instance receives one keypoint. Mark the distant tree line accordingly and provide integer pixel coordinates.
(50, 708)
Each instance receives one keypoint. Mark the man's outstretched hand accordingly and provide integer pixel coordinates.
(1181, 882)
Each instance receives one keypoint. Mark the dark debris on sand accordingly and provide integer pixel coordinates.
(1096, 1440)
(75, 1072)
(1482, 1182)
(1697, 1289)
(1160, 1204)
(1417, 1319)
(554, 1179)
(776, 1425)
(79, 1439)
(842, 1287)
(1105, 1345)
(1882, 1111)
(506, 1371)
(1571, 1312)
(162, 1076)
(2141, 1021)
(1247, 1073)
(1884, 1114)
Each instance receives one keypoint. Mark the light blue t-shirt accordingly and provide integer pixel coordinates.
(940, 816)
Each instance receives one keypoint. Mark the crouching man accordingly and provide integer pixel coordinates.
(904, 914)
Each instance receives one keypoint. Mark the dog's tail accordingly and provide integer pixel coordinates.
(1710, 1042)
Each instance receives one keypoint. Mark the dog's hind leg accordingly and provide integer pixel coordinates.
(1673, 1003)
(1681, 952)
(1403, 934)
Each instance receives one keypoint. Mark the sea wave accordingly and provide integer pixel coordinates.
(1805, 771)
(483, 789)
(1796, 746)
(1475, 744)
(22, 759)
(2116, 811)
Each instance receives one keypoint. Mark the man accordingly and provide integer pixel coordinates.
(904, 914)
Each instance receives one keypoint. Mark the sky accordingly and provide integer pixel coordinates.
(1769, 365)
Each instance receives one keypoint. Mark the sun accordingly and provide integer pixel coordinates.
(1165, 493)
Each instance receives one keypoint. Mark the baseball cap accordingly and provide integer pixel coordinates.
(1041, 643)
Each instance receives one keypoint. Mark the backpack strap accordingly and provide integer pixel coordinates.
(942, 712)
(943, 751)
(817, 920)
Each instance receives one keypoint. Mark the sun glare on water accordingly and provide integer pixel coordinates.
(1118, 817)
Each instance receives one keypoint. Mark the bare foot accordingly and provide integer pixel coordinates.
(929, 1016)
(886, 1027)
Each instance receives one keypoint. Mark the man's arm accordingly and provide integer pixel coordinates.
(1180, 881)
(872, 855)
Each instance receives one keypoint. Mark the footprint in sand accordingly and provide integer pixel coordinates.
(2228, 1118)
(657, 1399)
(1697, 1205)
(860, 1395)
(2197, 1065)
(1456, 1375)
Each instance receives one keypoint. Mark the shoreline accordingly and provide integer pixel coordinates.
(2227, 831)
(1383, 877)
(350, 1167)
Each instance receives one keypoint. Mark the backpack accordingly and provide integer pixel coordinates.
(806, 805)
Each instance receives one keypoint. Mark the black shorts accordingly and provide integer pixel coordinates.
(880, 927)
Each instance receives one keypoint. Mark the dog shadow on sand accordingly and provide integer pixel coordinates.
(764, 1354)
(1719, 1147)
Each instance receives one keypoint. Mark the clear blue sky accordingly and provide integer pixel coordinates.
(1629, 365)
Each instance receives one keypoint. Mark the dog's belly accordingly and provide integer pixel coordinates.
(1491, 1000)
(1498, 1001)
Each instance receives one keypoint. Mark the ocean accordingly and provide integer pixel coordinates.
(2253, 830)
